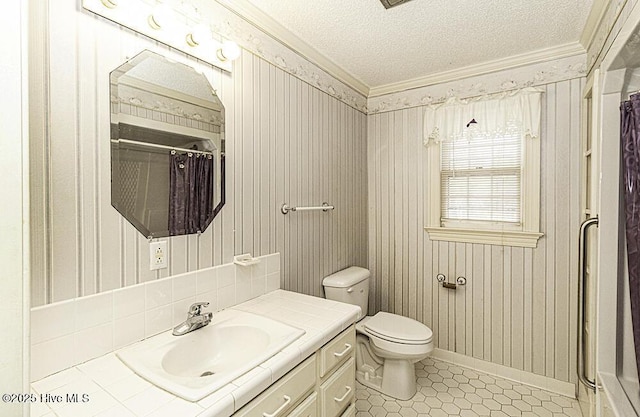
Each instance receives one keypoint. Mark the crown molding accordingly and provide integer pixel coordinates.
(255, 17)
(596, 14)
(541, 55)
(531, 75)
(262, 21)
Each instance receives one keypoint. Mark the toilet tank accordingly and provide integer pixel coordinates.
(351, 286)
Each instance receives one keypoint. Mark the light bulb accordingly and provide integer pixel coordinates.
(229, 51)
(160, 17)
(111, 4)
(200, 33)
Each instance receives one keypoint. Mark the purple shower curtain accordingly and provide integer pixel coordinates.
(190, 193)
(630, 137)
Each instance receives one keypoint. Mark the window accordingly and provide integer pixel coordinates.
(480, 179)
(485, 176)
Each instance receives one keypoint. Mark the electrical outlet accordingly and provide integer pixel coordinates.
(158, 255)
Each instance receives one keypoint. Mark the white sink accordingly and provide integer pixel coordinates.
(196, 364)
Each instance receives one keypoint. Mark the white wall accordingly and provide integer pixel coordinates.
(286, 142)
(14, 254)
(519, 305)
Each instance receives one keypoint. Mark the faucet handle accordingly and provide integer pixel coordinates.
(196, 308)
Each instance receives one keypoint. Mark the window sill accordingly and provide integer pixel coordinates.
(488, 237)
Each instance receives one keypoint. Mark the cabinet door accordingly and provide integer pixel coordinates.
(337, 350)
(278, 400)
(338, 391)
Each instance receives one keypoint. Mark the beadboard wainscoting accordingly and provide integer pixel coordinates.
(286, 142)
(518, 307)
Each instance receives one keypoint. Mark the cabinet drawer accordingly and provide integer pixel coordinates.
(309, 408)
(278, 400)
(338, 391)
(340, 348)
(350, 412)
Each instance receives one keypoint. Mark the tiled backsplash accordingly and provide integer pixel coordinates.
(68, 333)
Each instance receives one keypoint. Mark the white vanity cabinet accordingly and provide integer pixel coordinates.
(337, 374)
(323, 385)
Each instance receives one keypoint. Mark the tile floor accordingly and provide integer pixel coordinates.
(447, 390)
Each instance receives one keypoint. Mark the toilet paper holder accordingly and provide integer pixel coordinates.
(448, 285)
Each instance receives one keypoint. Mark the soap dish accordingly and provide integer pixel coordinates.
(245, 260)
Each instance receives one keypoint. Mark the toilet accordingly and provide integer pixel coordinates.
(388, 345)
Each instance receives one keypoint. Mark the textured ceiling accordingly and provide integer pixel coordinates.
(380, 46)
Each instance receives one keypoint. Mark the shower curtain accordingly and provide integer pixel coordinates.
(630, 138)
(190, 193)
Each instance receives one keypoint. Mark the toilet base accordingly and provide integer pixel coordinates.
(399, 379)
(393, 377)
(370, 378)
(396, 378)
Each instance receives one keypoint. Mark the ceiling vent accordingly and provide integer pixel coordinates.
(392, 3)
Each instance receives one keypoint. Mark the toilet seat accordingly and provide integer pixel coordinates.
(398, 329)
(395, 342)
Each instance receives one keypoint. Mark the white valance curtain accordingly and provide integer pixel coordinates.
(494, 114)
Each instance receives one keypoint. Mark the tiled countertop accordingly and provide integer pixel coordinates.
(112, 389)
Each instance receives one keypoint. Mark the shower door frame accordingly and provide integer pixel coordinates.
(614, 85)
(589, 209)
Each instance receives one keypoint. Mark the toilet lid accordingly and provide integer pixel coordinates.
(399, 329)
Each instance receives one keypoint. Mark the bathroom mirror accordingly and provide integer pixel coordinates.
(167, 146)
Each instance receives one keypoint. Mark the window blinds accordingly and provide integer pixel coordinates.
(481, 177)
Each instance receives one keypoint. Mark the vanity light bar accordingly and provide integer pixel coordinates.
(168, 26)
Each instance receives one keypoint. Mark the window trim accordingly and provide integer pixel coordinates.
(530, 231)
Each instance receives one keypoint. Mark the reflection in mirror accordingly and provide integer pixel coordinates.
(167, 146)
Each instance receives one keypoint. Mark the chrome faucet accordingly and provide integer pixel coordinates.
(194, 321)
